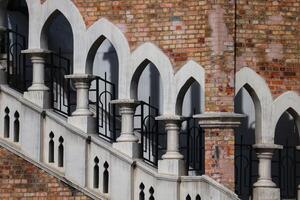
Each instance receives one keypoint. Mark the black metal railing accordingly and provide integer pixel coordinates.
(102, 93)
(285, 169)
(192, 145)
(18, 74)
(246, 169)
(62, 94)
(149, 131)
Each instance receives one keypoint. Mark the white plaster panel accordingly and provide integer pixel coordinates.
(74, 151)
(120, 179)
(140, 176)
(103, 156)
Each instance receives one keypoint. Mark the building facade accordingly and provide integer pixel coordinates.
(148, 99)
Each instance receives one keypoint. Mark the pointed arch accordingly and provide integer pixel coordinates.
(97, 33)
(290, 102)
(262, 98)
(140, 58)
(43, 35)
(191, 72)
(44, 11)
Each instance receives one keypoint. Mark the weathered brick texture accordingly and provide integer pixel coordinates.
(268, 41)
(219, 155)
(20, 179)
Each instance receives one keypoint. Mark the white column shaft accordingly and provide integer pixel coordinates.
(82, 95)
(172, 128)
(127, 114)
(264, 167)
(38, 70)
(173, 137)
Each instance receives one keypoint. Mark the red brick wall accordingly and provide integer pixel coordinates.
(267, 37)
(219, 155)
(268, 41)
(21, 179)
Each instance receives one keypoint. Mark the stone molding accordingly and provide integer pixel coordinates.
(219, 119)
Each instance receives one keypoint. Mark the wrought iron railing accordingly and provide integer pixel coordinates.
(101, 93)
(62, 94)
(285, 169)
(192, 145)
(149, 130)
(18, 74)
(246, 169)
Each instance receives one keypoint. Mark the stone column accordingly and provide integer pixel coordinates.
(38, 92)
(172, 161)
(127, 143)
(265, 188)
(82, 117)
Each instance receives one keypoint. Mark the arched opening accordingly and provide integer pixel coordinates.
(246, 163)
(286, 161)
(105, 178)
(16, 39)
(142, 193)
(16, 127)
(57, 36)
(192, 135)
(198, 197)
(51, 148)
(96, 173)
(61, 152)
(146, 87)
(6, 123)
(151, 191)
(102, 61)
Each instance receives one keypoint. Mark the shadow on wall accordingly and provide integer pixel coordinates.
(106, 61)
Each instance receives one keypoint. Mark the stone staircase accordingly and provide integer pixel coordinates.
(89, 164)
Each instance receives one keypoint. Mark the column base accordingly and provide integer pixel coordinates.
(128, 137)
(85, 123)
(40, 98)
(264, 183)
(172, 167)
(131, 149)
(266, 193)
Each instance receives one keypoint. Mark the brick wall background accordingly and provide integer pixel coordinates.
(268, 41)
(20, 179)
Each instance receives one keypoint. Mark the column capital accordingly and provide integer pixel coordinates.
(129, 103)
(170, 118)
(219, 119)
(36, 52)
(84, 78)
(260, 148)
